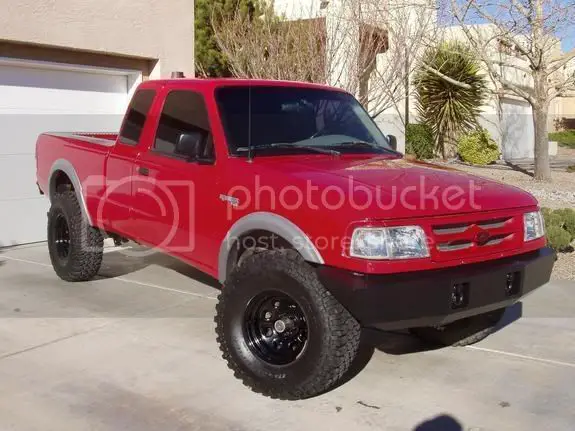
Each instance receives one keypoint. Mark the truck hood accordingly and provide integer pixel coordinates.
(399, 188)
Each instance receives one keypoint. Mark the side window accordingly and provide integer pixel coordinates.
(136, 117)
(184, 129)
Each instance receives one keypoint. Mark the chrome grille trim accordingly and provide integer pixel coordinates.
(450, 230)
(454, 247)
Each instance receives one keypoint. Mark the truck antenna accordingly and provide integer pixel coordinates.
(250, 147)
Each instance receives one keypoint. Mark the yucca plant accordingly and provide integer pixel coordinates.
(450, 90)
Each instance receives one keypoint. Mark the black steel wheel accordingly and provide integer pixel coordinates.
(61, 235)
(281, 331)
(275, 328)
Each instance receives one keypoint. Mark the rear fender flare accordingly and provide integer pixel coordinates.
(67, 167)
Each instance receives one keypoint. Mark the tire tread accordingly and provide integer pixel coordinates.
(86, 242)
(342, 341)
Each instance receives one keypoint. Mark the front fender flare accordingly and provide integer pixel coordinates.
(273, 223)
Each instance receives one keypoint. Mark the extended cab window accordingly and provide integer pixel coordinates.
(136, 117)
(184, 129)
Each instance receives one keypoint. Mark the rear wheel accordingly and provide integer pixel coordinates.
(76, 249)
(281, 332)
(461, 332)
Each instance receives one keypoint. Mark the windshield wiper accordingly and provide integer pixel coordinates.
(364, 144)
(286, 145)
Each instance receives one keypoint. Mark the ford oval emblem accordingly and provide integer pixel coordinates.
(482, 237)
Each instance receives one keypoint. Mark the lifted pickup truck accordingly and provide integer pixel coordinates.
(290, 195)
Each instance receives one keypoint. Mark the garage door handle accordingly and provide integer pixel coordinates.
(143, 171)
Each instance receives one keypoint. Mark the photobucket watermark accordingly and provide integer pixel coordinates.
(423, 195)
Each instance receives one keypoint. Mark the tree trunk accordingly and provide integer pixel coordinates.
(542, 168)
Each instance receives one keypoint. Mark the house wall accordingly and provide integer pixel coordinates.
(298, 9)
(567, 107)
(159, 32)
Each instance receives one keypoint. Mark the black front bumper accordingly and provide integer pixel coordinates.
(430, 298)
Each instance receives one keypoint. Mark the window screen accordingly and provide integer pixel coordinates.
(136, 117)
(184, 112)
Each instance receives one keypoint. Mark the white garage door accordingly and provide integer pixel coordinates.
(517, 133)
(39, 97)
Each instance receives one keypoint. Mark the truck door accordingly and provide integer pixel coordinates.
(176, 195)
(116, 204)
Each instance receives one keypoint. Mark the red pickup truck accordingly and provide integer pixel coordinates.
(316, 227)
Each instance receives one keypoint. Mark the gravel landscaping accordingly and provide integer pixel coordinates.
(560, 193)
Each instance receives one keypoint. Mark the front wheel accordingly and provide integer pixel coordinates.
(281, 332)
(461, 332)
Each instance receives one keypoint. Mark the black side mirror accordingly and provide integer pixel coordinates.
(392, 142)
(192, 146)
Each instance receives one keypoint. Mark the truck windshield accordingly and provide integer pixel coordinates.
(280, 120)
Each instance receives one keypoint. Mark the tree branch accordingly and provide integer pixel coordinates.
(445, 77)
(513, 66)
(561, 60)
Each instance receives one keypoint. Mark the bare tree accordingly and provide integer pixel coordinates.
(410, 28)
(522, 39)
(367, 47)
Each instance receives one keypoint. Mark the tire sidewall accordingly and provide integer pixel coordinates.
(245, 288)
(83, 243)
(59, 208)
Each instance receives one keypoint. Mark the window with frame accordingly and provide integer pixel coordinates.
(184, 115)
(136, 117)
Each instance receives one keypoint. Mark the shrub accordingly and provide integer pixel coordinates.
(565, 138)
(569, 221)
(546, 212)
(477, 147)
(419, 141)
(560, 226)
(553, 219)
(558, 238)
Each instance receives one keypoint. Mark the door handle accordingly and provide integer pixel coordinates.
(143, 171)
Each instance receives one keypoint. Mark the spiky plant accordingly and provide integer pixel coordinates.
(450, 90)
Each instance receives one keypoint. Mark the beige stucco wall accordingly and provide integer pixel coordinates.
(567, 107)
(155, 30)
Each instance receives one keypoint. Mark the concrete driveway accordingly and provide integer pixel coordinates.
(135, 350)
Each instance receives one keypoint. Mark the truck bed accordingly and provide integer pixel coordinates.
(98, 138)
(86, 152)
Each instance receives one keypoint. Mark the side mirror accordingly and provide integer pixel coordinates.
(192, 146)
(189, 144)
(392, 142)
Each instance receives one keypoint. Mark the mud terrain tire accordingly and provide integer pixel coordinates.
(332, 335)
(76, 249)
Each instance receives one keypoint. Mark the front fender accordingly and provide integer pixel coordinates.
(275, 224)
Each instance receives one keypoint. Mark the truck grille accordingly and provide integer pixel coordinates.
(475, 237)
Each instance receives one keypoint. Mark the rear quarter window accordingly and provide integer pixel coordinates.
(136, 116)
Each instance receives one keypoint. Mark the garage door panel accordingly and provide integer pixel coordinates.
(20, 132)
(17, 177)
(35, 100)
(517, 132)
(18, 100)
(34, 77)
(23, 221)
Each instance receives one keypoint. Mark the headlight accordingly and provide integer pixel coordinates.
(403, 242)
(534, 226)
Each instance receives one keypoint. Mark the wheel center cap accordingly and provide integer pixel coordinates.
(280, 326)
